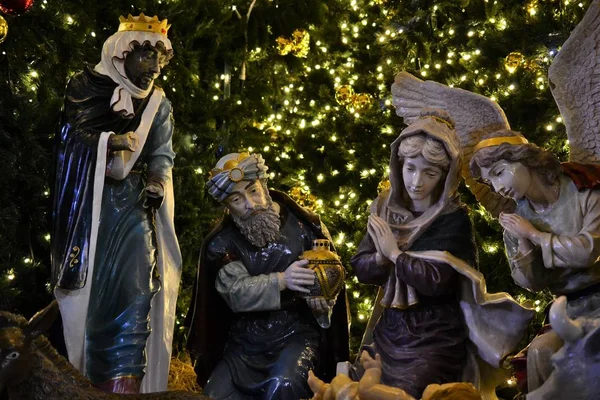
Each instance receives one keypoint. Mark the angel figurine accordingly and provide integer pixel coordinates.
(433, 317)
(550, 211)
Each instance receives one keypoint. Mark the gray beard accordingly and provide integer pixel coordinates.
(261, 227)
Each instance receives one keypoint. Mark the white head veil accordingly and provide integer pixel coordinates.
(112, 64)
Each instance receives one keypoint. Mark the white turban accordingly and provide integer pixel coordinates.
(112, 64)
(233, 168)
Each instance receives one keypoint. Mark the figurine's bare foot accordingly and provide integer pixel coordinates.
(372, 375)
(369, 362)
(317, 386)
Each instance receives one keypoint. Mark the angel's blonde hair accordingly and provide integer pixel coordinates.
(538, 160)
(431, 149)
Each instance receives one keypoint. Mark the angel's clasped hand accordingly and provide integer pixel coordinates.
(384, 239)
(519, 227)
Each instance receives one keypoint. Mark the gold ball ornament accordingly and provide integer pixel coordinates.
(362, 101)
(514, 60)
(3, 29)
(298, 45)
(301, 43)
(304, 198)
(536, 66)
(344, 95)
(284, 46)
(272, 132)
(296, 193)
(384, 185)
(531, 8)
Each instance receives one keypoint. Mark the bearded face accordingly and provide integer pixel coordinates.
(259, 226)
(252, 211)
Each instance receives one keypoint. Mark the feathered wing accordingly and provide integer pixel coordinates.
(473, 115)
(575, 83)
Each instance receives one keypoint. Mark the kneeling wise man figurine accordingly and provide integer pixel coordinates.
(253, 334)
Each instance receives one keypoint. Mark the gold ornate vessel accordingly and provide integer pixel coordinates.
(329, 271)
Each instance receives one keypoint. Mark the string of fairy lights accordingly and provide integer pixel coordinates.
(496, 84)
(374, 31)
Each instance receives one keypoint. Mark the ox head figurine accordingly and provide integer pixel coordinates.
(576, 366)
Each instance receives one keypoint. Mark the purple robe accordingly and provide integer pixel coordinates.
(425, 343)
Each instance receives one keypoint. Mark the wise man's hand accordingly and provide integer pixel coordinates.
(154, 195)
(154, 190)
(128, 141)
(296, 277)
(320, 305)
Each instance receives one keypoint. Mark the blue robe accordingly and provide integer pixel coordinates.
(125, 277)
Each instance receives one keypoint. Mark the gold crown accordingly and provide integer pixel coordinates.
(143, 24)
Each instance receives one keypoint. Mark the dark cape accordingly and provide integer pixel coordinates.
(452, 232)
(210, 318)
(86, 114)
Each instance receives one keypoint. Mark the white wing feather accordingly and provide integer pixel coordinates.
(575, 83)
(472, 113)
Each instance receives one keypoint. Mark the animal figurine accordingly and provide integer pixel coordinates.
(576, 366)
(31, 369)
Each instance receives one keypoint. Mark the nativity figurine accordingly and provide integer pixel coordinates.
(434, 321)
(115, 257)
(254, 334)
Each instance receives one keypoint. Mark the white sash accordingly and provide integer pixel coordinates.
(123, 160)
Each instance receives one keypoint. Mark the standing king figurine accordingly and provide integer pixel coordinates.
(115, 257)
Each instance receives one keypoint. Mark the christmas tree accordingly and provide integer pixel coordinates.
(303, 82)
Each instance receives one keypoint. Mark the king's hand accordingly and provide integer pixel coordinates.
(128, 141)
